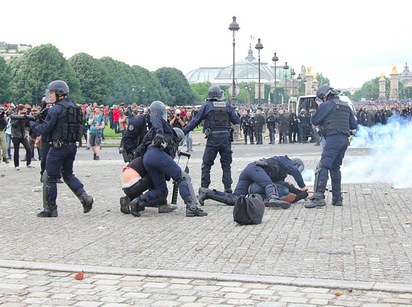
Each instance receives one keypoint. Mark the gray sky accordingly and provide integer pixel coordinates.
(349, 41)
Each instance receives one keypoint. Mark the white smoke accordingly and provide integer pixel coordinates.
(390, 158)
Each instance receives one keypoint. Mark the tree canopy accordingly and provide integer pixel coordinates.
(35, 69)
(5, 78)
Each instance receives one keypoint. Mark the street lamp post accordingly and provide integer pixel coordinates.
(234, 26)
(274, 59)
(292, 74)
(248, 88)
(285, 68)
(259, 47)
(299, 79)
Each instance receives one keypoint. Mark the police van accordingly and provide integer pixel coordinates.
(308, 102)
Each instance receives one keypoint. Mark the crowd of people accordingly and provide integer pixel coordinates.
(149, 138)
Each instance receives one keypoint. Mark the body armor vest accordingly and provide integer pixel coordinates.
(170, 139)
(274, 170)
(220, 118)
(338, 122)
(70, 128)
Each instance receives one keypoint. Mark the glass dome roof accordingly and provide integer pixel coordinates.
(246, 70)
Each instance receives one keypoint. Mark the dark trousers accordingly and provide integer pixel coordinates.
(332, 156)
(159, 165)
(219, 143)
(16, 146)
(61, 160)
(254, 174)
(271, 136)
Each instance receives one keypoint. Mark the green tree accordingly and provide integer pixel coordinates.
(369, 90)
(120, 81)
(200, 91)
(93, 80)
(5, 78)
(177, 84)
(323, 80)
(148, 87)
(36, 69)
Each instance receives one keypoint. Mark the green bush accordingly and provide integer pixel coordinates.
(109, 133)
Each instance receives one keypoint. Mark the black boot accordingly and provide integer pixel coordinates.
(124, 205)
(48, 211)
(192, 209)
(226, 198)
(276, 202)
(300, 196)
(337, 201)
(161, 205)
(318, 200)
(137, 205)
(86, 200)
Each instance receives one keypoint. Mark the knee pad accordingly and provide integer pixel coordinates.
(53, 179)
(138, 188)
(183, 188)
(255, 188)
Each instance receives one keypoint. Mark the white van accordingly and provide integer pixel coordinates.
(308, 102)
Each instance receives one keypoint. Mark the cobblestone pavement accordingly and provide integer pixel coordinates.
(296, 256)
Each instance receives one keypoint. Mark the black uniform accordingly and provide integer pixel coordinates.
(271, 125)
(63, 126)
(218, 115)
(259, 123)
(133, 136)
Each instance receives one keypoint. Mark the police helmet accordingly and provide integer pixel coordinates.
(215, 93)
(158, 108)
(59, 87)
(325, 90)
(299, 164)
(180, 135)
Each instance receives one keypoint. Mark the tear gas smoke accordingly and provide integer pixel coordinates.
(390, 159)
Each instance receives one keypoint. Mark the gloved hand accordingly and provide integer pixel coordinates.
(159, 141)
(30, 117)
(261, 163)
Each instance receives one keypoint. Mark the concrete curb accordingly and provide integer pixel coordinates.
(275, 280)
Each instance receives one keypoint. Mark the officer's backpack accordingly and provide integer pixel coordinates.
(248, 210)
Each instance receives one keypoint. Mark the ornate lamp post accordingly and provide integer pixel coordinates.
(274, 59)
(259, 47)
(292, 74)
(248, 88)
(234, 26)
(285, 68)
(299, 78)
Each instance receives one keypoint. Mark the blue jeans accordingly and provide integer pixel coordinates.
(189, 141)
(8, 142)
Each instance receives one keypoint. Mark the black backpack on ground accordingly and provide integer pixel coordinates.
(248, 210)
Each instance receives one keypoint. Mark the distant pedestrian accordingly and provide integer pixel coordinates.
(96, 123)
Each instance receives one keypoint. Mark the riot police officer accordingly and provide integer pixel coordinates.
(265, 176)
(335, 120)
(63, 126)
(271, 124)
(159, 148)
(217, 115)
(133, 136)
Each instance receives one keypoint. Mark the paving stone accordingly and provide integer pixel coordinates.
(296, 256)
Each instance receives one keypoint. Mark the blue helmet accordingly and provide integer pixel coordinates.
(215, 93)
(59, 87)
(158, 108)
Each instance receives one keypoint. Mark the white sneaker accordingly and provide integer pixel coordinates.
(17, 168)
